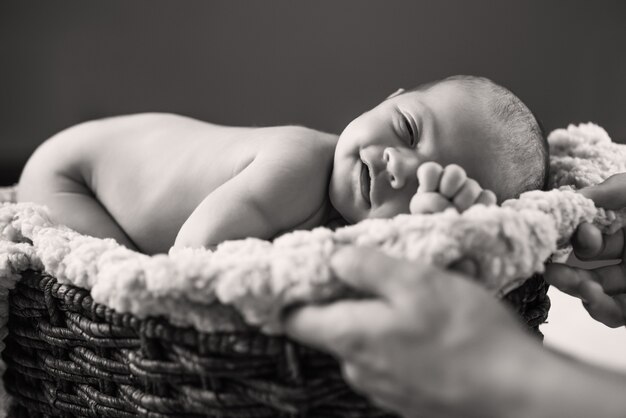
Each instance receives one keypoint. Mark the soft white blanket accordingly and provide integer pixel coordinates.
(259, 278)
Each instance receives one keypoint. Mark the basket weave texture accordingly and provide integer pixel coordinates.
(68, 356)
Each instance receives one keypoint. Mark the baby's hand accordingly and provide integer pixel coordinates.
(441, 188)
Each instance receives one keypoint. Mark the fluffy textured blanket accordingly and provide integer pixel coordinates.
(259, 278)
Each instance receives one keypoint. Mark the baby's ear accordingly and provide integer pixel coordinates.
(395, 93)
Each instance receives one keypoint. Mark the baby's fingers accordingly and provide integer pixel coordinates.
(428, 176)
(452, 179)
(428, 202)
(468, 195)
(487, 198)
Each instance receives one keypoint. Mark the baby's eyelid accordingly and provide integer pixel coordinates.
(413, 129)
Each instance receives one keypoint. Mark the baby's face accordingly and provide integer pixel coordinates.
(377, 155)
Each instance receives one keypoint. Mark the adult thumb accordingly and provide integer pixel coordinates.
(372, 271)
(610, 194)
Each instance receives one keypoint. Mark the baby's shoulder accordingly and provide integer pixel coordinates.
(300, 146)
(289, 177)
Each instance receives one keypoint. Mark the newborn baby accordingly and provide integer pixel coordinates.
(154, 180)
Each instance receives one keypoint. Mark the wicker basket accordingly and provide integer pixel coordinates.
(68, 356)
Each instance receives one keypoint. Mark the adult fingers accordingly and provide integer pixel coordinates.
(566, 279)
(428, 176)
(428, 202)
(610, 194)
(581, 284)
(602, 307)
(590, 244)
(612, 279)
(452, 180)
(487, 198)
(341, 327)
(587, 241)
(467, 196)
(372, 271)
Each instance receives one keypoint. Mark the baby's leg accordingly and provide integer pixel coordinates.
(76, 207)
(57, 185)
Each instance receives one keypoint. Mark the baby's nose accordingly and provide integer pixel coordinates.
(401, 166)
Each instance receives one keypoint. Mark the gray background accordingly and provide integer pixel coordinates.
(315, 63)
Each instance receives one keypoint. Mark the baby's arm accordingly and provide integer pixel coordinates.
(262, 201)
(441, 188)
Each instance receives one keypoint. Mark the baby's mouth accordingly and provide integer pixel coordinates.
(365, 183)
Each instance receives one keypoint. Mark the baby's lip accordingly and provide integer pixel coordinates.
(365, 183)
(371, 177)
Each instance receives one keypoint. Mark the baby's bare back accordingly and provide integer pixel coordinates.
(151, 171)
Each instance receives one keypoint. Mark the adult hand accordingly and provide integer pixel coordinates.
(602, 289)
(427, 342)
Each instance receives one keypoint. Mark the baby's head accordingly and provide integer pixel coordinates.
(465, 120)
